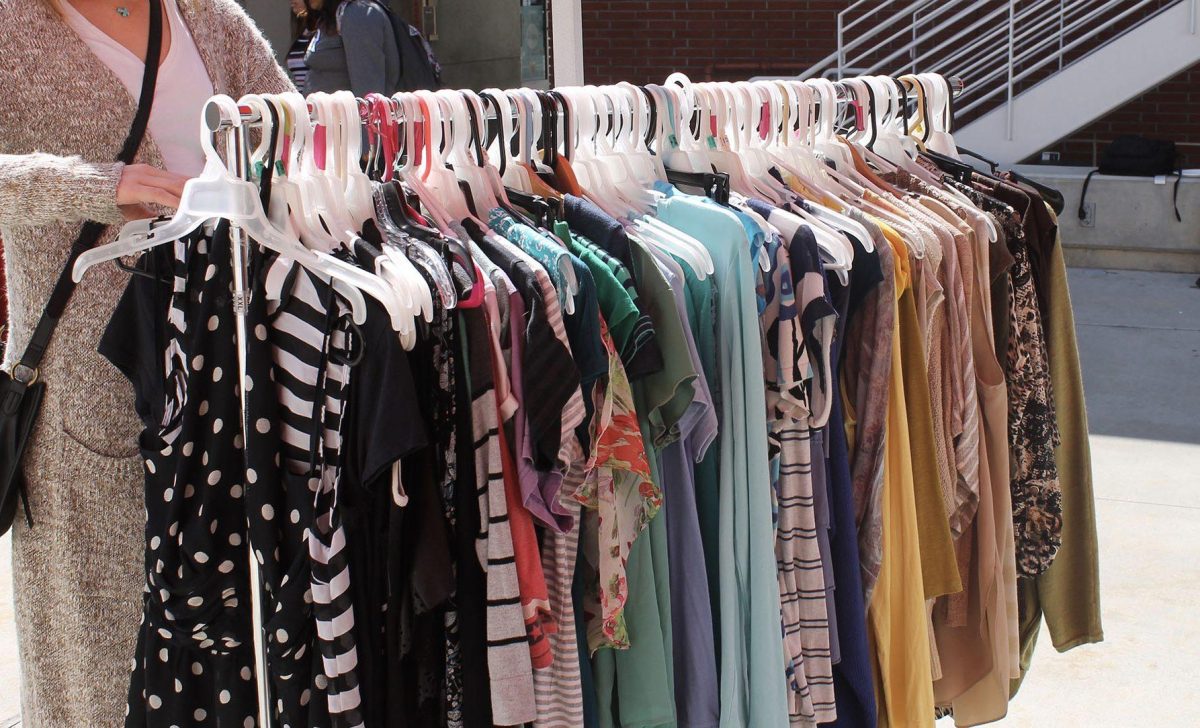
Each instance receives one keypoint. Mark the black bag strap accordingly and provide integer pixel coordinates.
(92, 230)
(1083, 195)
(1175, 196)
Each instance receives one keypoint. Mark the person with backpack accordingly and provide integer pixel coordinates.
(363, 47)
(353, 49)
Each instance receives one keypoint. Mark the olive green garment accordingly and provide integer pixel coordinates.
(1067, 594)
(635, 687)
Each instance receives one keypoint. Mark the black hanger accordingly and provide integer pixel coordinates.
(714, 184)
(994, 166)
(560, 106)
(489, 99)
(949, 103)
(545, 210)
(874, 126)
(925, 119)
(903, 103)
(549, 138)
(473, 116)
(653, 128)
(1049, 194)
(956, 169)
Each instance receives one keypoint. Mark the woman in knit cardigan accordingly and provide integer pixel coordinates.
(65, 110)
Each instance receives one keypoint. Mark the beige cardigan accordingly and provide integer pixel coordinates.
(79, 571)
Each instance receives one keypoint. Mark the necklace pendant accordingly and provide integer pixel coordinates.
(123, 12)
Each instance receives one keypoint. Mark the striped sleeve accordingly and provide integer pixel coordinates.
(509, 668)
(558, 688)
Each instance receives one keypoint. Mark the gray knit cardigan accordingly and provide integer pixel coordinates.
(79, 571)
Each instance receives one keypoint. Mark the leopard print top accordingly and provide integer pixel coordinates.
(1032, 428)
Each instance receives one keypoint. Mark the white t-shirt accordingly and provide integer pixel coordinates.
(183, 86)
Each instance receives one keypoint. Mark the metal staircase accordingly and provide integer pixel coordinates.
(1035, 70)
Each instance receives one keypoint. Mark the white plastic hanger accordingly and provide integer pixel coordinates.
(408, 172)
(515, 175)
(438, 178)
(889, 143)
(344, 136)
(325, 191)
(462, 154)
(303, 196)
(825, 135)
(355, 181)
(721, 126)
(750, 140)
(827, 224)
(217, 194)
(645, 167)
(686, 247)
(940, 139)
(590, 173)
(611, 155)
(331, 178)
(400, 307)
(342, 276)
(789, 149)
(679, 148)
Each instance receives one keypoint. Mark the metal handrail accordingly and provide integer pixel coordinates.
(887, 61)
(1044, 61)
(994, 44)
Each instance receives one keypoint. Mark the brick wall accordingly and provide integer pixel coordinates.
(643, 41)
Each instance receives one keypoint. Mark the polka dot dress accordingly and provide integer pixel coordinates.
(279, 508)
(194, 664)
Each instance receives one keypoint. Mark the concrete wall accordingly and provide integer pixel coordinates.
(1135, 226)
(479, 43)
(274, 18)
(479, 40)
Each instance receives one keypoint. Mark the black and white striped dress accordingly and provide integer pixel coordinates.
(309, 350)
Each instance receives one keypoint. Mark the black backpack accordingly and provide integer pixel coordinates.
(1137, 156)
(419, 68)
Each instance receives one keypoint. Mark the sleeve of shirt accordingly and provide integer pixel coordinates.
(388, 413)
(817, 323)
(367, 37)
(132, 343)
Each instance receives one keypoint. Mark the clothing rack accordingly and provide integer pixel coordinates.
(235, 129)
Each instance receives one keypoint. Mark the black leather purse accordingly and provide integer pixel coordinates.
(1136, 156)
(21, 392)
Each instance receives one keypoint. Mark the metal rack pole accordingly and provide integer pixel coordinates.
(238, 163)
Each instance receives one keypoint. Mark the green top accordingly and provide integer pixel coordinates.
(620, 304)
(636, 686)
(662, 396)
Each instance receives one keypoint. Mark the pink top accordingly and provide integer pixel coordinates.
(183, 86)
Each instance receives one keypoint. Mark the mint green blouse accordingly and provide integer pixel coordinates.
(753, 688)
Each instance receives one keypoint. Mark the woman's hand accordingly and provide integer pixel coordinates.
(142, 185)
